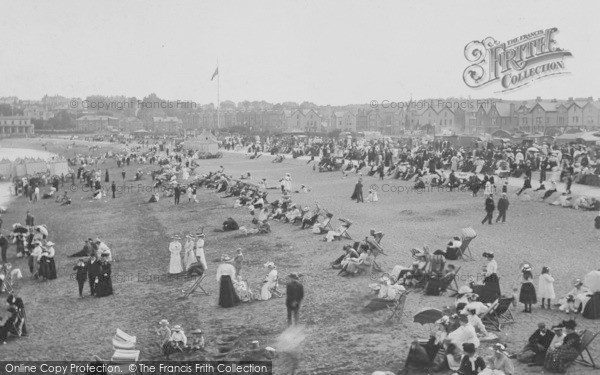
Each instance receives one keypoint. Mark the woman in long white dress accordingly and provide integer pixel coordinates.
(200, 257)
(270, 282)
(189, 256)
(175, 249)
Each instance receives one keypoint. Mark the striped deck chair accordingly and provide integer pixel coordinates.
(586, 339)
(468, 235)
(122, 340)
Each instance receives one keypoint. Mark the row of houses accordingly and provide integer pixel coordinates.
(457, 116)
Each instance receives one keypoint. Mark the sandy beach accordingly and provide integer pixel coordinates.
(337, 329)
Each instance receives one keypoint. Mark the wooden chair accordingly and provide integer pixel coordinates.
(396, 307)
(196, 285)
(586, 339)
(123, 341)
(499, 314)
(468, 235)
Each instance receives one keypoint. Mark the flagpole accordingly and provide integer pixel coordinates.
(218, 97)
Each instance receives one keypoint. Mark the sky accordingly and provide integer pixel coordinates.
(325, 52)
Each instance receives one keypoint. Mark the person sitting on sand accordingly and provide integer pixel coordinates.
(362, 263)
(576, 299)
(343, 260)
(178, 338)
(476, 322)
(230, 224)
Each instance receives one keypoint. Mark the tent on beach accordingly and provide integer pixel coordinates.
(205, 142)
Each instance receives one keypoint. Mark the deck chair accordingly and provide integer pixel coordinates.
(468, 235)
(376, 249)
(450, 283)
(499, 314)
(396, 307)
(194, 286)
(586, 339)
(121, 355)
(122, 340)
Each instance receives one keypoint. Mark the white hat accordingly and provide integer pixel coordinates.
(465, 289)
(226, 258)
(269, 264)
(49, 243)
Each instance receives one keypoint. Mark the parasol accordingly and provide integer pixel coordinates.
(428, 316)
(20, 230)
(42, 230)
(533, 149)
(592, 281)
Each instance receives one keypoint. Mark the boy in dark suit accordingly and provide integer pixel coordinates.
(81, 276)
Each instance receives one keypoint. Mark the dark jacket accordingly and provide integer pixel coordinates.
(489, 205)
(82, 272)
(544, 340)
(294, 292)
(503, 204)
(467, 369)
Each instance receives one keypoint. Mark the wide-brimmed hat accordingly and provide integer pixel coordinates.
(164, 322)
(469, 347)
(465, 289)
(200, 234)
(499, 348)
(577, 282)
(526, 268)
(294, 276)
(49, 243)
(105, 254)
(443, 320)
(269, 264)
(176, 328)
(97, 240)
(226, 258)
(175, 237)
(197, 331)
(488, 254)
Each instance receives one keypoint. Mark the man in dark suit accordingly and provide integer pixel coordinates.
(177, 193)
(502, 208)
(489, 209)
(3, 246)
(295, 294)
(535, 351)
(93, 268)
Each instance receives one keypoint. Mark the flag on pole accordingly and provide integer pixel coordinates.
(216, 73)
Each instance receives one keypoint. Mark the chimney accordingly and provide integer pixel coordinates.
(570, 98)
(590, 99)
(538, 99)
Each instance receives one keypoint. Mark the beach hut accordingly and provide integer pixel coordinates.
(19, 169)
(58, 168)
(5, 168)
(35, 166)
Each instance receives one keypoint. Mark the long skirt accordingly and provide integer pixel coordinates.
(227, 295)
(104, 287)
(527, 294)
(490, 291)
(51, 269)
(560, 359)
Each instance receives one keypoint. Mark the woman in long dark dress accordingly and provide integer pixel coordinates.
(51, 263)
(103, 280)
(358, 191)
(13, 325)
(225, 272)
(558, 360)
(490, 291)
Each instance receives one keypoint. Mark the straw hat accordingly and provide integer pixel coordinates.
(164, 322)
(49, 243)
(465, 289)
(499, 348)
(177, 328)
